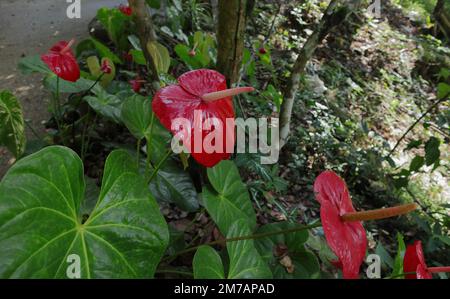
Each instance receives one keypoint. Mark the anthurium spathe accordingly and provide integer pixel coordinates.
(342, 225)
(414, 262)
(62, 62)
(200, 97)
(126, 10)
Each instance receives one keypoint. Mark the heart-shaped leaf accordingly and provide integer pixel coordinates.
(108, 105)
(137, 115)
(245, 261)
(12, 133)
(41, 224)
(172, 184)
(229, 201)
(208, 264)
(33, 64)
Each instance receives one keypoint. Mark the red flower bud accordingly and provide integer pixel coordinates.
(262, 51)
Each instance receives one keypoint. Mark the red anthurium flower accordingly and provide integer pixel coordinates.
(414, 261)
(62, 62)
(203, 100)
(106, 68)
(126, 10)
(342, 225)
(347, 239)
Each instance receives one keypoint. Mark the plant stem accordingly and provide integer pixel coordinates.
(138, 152)
(93, 85)
(439, 269)
(32, 130)
(243, 238)
(149, 144)
(379, 213)
(445, 98)
(160, 164)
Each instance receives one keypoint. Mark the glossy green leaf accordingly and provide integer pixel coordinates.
(137, 115)
(207, 264)
(115, 23)
(245, 261)
(40, 220)
(33, 64)
(82, 84)
(12, 132)
(228, 201)
(104, 51)
(173, 184)
(107, 105)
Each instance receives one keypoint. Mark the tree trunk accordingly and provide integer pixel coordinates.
(334, 15)
(146, 34)
(230, 35)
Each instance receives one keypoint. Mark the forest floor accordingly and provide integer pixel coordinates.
(29, 28)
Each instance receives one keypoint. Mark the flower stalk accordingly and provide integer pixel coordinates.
(214, 96)
(379, 213)
(438, 269)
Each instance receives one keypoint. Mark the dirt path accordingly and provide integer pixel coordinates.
(30, 27)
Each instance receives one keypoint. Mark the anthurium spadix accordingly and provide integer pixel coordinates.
(342, 225)
(199, 112)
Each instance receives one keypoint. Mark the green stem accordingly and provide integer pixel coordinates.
(243, 238)
(160, 164)
(32, 130)
(149, 144)
(138, 152)
(95, 83)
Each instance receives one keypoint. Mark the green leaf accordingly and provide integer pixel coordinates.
(183, 52)
(41, 196)
(305, 263)
(160, 55)
(398, 262)
(137, 115)
(154, 3)
(207, 264)
(386, 259)
(245, 261)
(107, 105)
(134, 41)
(115, 23)
(173, 184)
(33, 64)
(432, 152)
(228, 201)
(138, 57)
(104, 51)
(443, 90)
(12, 132)
(416, 163)
(50, 82)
